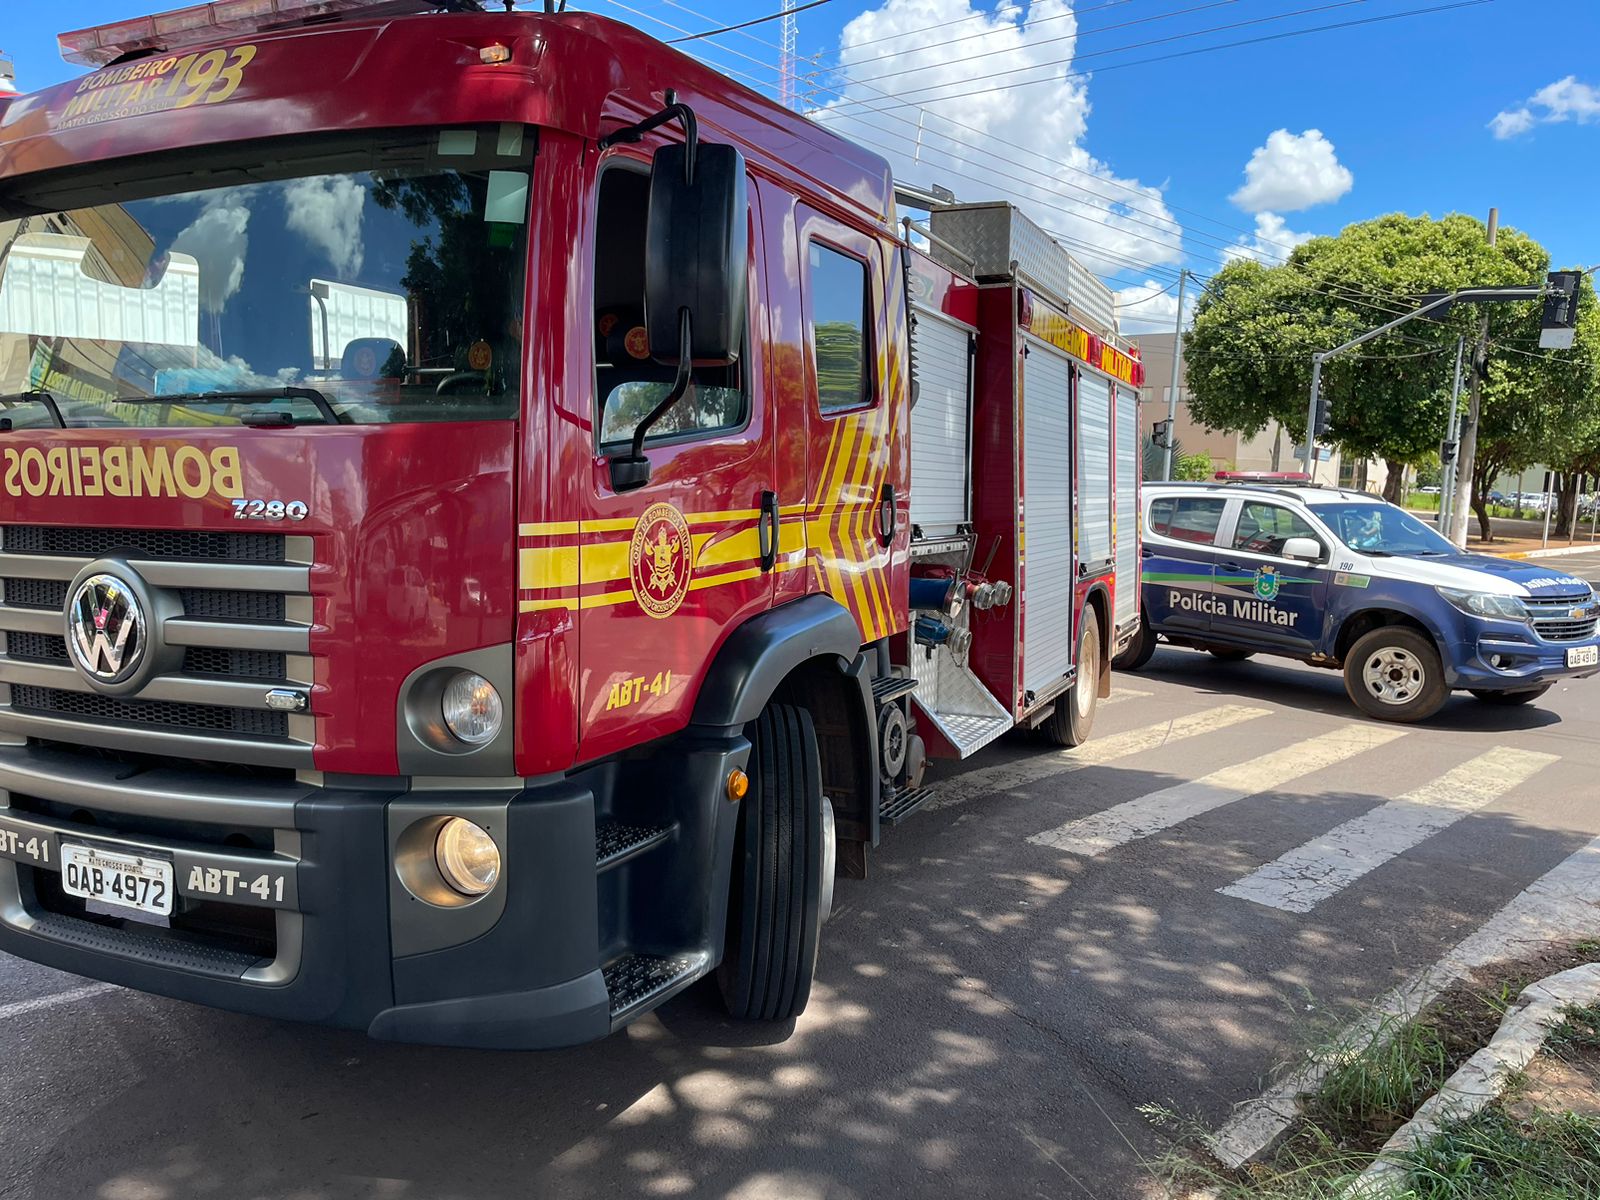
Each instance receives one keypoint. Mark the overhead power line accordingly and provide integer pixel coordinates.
(777, 16)
(1255, 41)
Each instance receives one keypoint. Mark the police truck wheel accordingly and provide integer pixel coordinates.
(1138, 651)
(1073, 718)
(775, 910)
(1228, 654)
(1508, 699)
(1394, 674)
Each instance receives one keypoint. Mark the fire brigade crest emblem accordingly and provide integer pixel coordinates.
(660, 560)
(1267, 583)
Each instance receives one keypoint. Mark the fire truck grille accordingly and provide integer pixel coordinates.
(233, 610)
(145, 543)
(163, 713)
(36, 593)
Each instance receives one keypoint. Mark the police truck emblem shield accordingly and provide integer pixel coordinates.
(660, 560)
(1267, 583)
(105, 629)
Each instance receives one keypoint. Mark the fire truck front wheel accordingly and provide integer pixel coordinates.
(1073, 718)
(776, 911)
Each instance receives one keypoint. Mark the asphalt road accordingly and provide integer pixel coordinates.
(1030, 963)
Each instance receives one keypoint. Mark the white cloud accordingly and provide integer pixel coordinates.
(953, 46)
(1271, 243)
(1509, 124)
(1151, 307)
(327, 212)
(1564, 100)
(217, 239)
(1291, 172)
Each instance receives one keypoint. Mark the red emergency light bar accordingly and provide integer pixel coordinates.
(1263, 477)
(214, 22)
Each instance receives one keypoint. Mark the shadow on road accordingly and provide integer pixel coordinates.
(1311, 689)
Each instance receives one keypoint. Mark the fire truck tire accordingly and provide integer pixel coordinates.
(1138, 651)
(1069, 725)
(775, 912)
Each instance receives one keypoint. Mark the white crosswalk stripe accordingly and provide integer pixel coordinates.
(1325, 866)
(1100, 751)
(1120, 694)
(1094, 835)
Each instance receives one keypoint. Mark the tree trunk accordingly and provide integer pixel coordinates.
(1277, 447)
(1394, 486)
(1360, 481)
(1482, 473)
(1567, 489)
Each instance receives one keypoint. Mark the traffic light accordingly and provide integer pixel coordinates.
(1320, 426)
(1160, 434)
(1447, 453)
(1559, 324)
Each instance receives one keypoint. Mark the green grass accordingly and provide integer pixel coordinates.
(1493, 1156)
(1377, 1081)
(1578, 1029)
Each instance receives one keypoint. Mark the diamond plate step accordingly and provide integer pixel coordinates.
(901, 805)
(616, 842)
(641, 981)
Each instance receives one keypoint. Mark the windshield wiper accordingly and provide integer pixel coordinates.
(251, 396)
(37, 396)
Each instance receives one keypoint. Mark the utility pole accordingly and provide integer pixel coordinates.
(1461, 501)
(1447, 489)
(1172, 392)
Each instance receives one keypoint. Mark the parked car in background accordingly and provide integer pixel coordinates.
(1344, 580)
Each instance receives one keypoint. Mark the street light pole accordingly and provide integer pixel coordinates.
(1311, 413)
(1447, 488)
(1172, 392)
(1467, 452)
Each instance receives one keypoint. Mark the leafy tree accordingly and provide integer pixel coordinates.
(1256, 327)
(1192, 467)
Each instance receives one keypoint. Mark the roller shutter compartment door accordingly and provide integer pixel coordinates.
(1129, 463)
(1094, 472)
(1047, 571)
(939, 424)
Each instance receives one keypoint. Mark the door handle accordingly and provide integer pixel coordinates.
(1230, 566)
(886, 514)
(1146, 552)
(767, 530)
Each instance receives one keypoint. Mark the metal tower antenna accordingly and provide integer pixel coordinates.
(791, 37)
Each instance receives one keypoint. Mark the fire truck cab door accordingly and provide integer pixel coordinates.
(669, 569)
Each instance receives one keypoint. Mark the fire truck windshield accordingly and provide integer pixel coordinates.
(392, 288)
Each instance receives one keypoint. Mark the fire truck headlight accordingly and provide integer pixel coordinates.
(472, 709)
(467, 856)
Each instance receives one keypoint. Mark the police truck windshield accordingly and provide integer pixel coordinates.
(385, 287)
(1381, 529)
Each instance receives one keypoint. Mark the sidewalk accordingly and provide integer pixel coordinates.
(1515, 538)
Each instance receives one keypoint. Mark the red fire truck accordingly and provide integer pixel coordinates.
(495, 516)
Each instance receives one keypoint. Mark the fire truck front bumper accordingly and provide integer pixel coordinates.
(315, 903)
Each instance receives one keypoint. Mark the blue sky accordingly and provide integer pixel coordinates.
(1118, 154)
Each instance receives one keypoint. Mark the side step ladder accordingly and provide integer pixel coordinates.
(637, 982)
(896, 808)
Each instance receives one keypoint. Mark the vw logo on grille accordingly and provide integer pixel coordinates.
(105, 629)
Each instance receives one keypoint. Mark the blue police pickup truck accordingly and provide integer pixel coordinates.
(1342, 579)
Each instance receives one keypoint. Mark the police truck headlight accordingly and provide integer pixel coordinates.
(467, 856)
(472, 709)
(1485, 604)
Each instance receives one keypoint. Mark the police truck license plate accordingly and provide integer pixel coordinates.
(112, 877)
(1583, 656)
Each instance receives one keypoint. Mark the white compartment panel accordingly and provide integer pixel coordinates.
(1047, 571)
(940, 424)
(1129, 465)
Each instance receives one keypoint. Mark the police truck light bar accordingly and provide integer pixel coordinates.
(216, 22)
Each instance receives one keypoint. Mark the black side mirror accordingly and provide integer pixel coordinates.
(697, 252)
(697, 257)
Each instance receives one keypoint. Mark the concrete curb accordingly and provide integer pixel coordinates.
(1552, 552)
(1482, 1077)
